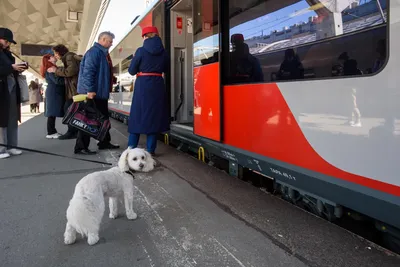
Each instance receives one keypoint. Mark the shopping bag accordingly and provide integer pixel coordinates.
(85, 117)
(23, 87)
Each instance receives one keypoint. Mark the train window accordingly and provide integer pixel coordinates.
(205, 32)
(290, 40)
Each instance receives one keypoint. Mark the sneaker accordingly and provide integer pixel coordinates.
(14, 152)
(53, 136)
(4, 155)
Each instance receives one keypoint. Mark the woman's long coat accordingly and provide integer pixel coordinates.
(34, 95)
(55, 96)
(149, 110)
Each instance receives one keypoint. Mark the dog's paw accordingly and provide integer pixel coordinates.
(131, 215)
(93, 239)
(69, 240)
(112, 216)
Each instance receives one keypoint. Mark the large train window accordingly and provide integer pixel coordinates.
(290, 40)
(205, 32)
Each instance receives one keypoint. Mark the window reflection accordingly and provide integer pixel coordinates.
(205, 35)
(294, 40)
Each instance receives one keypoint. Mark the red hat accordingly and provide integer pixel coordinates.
(237, 38)
(150, 29)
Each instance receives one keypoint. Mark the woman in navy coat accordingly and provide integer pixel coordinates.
(55, 96)
(149, 109)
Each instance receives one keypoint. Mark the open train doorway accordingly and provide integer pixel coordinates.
(182, 63)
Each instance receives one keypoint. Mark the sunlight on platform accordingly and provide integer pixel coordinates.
(26, 114)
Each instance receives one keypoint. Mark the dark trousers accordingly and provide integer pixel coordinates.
(83, 140)
(51, 125)
(71, 130)
(34, 107)
(133, 141)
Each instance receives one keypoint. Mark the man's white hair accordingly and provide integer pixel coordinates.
(109, 34)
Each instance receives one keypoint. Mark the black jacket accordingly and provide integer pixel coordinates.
(6, 61)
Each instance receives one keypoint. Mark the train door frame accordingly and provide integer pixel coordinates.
(180, 49)
(223, 15)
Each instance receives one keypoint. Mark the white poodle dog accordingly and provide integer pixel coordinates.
(87, 206)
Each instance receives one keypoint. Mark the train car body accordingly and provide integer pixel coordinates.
(328, 136)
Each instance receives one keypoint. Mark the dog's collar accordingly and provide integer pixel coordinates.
(131, 173)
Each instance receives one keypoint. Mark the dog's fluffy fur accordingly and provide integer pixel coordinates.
(87, 206)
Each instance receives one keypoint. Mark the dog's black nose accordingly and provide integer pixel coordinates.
(141, 165)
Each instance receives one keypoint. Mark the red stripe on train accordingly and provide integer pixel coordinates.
(258, 119)
(119, 111)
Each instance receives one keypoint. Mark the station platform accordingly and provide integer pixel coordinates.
(189, 214)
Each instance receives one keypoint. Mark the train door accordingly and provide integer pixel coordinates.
(195, 78)
(181, 63)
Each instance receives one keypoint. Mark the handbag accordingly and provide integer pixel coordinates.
(23, 87)
(85, 117)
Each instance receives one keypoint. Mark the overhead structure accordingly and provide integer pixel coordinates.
(88, 34)
(40, 24)
(331, 12)
(122, 51)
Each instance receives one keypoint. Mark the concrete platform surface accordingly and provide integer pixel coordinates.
(189, 215)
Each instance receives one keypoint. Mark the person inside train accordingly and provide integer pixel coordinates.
(291, 67)
(274, 76)
(244, 67)
(210, 60)
(350, 66)
(149, 110)
(381, 59)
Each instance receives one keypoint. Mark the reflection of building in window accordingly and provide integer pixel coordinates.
(355, 17)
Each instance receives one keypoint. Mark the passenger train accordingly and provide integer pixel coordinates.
(322, 119)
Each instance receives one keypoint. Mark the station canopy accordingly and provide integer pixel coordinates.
(40, 24)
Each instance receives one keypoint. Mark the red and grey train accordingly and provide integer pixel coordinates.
(321, 121)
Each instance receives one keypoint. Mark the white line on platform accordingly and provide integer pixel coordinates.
(230, 253)
(148, 203)
(145, 251)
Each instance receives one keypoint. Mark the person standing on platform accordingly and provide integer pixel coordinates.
(70, 73)
(34, 97)
(96, 79)
(55, 95)
(10, 96)
(149, 110)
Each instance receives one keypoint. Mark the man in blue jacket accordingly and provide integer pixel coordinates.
(96, 80)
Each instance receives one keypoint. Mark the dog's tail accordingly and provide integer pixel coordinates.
(85, 213)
